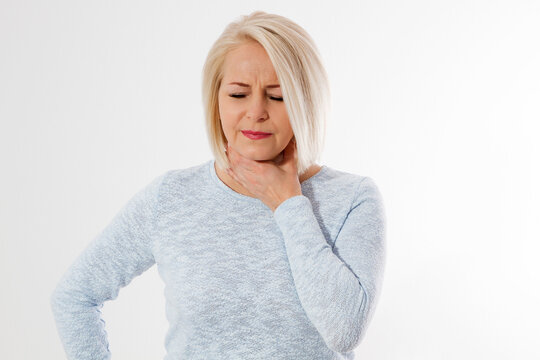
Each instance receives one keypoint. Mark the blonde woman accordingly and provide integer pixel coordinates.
(265, 254)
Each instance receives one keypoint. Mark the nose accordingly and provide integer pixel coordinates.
(257, 108)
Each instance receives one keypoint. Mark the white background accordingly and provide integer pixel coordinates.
(437, 101)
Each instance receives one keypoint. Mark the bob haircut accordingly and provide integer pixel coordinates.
(298, 66)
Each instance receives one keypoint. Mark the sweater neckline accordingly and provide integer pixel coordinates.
(227, 189)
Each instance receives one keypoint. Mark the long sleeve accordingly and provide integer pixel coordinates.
(338, 286)
(110, 261)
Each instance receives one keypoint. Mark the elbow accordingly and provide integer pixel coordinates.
(55, 300)
(353, 330)
(348, 339)
(68, 298)
(62, 298)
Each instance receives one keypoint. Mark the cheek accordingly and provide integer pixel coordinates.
(221, 104)
(285, 124)
(227, 110)
(226, 126)
(224, 114)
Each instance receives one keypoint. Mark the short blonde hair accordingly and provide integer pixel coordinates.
(300, 71)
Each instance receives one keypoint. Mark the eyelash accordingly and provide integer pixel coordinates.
(238, 96)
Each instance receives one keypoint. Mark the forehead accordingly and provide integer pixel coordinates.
(249, 62)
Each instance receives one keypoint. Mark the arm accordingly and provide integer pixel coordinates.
(110, 261)
(338, 291)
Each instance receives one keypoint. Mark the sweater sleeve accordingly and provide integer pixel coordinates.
(338, 286)
(109, 262)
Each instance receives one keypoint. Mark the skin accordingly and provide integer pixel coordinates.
(264, 168)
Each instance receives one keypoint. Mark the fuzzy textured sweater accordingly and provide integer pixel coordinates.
(241, 281)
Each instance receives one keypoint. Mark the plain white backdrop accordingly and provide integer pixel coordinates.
(437, 101)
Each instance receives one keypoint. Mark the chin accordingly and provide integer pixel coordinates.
(262, 156)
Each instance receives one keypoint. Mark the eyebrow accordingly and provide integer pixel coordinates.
(246, 85)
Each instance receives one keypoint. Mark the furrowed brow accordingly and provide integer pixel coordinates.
(246, 85)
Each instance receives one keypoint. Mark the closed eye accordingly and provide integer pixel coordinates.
(242, 95)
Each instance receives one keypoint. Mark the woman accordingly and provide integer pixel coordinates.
(264, 253)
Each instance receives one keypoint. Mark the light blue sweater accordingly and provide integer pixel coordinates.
(241, 281)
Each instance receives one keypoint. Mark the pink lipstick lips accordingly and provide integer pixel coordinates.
(255, 135)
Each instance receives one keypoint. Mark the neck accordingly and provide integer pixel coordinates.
(233, 184)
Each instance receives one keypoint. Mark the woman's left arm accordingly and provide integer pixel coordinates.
(338, 286)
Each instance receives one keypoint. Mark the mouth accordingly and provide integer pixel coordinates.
(255, 135)
(251, 132)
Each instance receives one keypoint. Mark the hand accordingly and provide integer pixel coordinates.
(266, 180)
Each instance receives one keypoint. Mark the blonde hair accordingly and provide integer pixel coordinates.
(300, 71)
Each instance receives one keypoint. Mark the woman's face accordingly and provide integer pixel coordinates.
(250, 99)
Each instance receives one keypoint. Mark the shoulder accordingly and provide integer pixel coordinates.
(171, 185)
(367, 187)
(348, 187)
(341, 179)
(188, 176)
